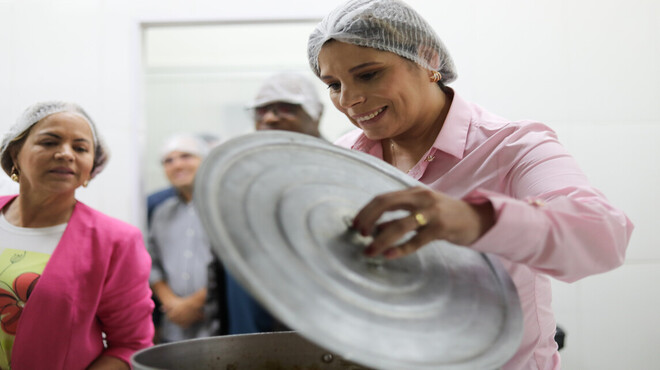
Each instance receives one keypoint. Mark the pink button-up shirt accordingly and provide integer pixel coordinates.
(549, 220)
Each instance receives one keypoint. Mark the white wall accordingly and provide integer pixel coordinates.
(587, 68)
(195, 88)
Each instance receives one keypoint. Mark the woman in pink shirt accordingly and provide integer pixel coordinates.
(74, 290)
(494, 185)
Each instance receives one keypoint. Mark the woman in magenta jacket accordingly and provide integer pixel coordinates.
(74, 290)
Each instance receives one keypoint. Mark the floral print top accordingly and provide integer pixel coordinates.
(19, 274)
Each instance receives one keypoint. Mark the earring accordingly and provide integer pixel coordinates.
(14, 174)
(436, 76)
(85, 183)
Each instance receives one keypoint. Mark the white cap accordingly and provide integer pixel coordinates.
(185, 143)
(290, 88)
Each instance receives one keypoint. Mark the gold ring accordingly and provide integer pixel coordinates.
(421, 220)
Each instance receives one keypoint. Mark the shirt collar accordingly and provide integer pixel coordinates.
(452, 138)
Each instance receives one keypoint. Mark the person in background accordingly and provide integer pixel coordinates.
(179, 247)
(156, 198)
(287, 101)
(69, 275)
(493, 185)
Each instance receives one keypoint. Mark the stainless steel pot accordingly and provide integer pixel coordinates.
(270, 351)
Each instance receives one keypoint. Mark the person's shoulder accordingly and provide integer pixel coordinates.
(165, 208)
(158, 197)
(501, 126)
(484, 125)
(103, 224)
(349, 138)
(487, 122)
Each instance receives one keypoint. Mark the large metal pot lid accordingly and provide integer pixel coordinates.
(276, 207)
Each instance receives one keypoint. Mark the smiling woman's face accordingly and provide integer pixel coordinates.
(380, 92)
(57, 155)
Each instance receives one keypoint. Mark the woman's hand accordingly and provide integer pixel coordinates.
(432, 214)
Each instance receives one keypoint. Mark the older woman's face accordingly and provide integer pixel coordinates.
(57, 156)
(380, 92)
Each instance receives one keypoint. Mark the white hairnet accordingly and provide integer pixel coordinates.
(41, 110)
(210, 139)
(291, 88)
(389, 25)
(186, 143)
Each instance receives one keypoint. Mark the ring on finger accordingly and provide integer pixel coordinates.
(421, 220)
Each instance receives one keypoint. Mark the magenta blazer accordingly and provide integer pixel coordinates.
(95, 281)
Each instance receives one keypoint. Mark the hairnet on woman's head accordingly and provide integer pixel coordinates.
(41, 110)
(389, 25)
